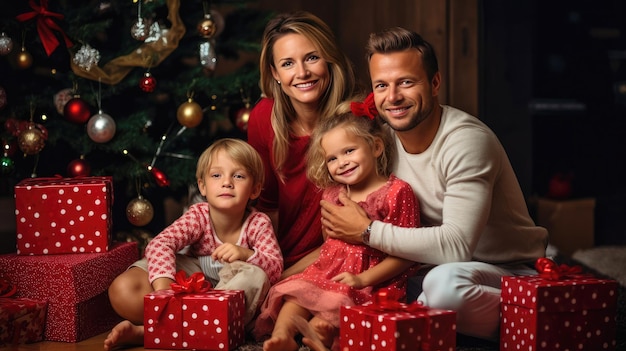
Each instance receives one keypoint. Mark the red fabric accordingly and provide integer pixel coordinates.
(297, 199)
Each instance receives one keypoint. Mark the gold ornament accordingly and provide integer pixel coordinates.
(24, 59)
(139, 211)
(31, 140)
(189, 114)
(207, 27)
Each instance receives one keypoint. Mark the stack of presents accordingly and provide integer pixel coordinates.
(54, 287)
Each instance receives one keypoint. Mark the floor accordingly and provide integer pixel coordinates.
(94, 343)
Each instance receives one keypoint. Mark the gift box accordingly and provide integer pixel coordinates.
(75, 287)
(558, 311)
(22, 320)
(63, 215)
(379, 326)
(211, 320)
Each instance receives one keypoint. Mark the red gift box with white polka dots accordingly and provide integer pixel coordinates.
(75, 287)
(213, 320)
(366, 327)
(63, 215)
(22, 320)
(570, 313)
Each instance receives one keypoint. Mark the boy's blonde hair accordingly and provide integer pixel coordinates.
(240, 151)
(361, 127)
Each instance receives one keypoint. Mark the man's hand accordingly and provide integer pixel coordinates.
(345, 222)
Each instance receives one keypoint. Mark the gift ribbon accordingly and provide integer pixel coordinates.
(195, 284)
(45, 25)
(548, 269)
(384, 301)
(367, 108)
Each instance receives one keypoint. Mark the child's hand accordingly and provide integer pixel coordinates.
(349, 279)
(228, 252)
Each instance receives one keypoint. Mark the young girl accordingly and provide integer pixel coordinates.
(347, 153)
(231, 243)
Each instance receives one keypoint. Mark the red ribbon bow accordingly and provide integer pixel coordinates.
(194, 284)
(548, 269)
(367, 108)
(45, 25)
(385, 301)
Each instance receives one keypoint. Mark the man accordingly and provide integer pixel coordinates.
(475, 224)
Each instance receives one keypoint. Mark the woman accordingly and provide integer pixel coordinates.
(304, 76)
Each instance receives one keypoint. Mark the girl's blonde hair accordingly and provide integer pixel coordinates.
(341, 86)
(239, 151)
(362, 127)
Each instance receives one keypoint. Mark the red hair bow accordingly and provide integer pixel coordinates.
(367, 108)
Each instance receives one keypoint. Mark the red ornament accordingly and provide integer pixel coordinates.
(77, 110)
(242, 117)
(79, 168)
(147, 83)
(560, 186)
(159, 177)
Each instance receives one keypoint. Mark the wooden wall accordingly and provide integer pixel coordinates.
(451, 26)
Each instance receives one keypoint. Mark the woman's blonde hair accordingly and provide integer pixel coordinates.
(342, 79)
(361, 127)
(239, 151)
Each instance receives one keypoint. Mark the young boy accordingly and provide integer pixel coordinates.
(231, 243)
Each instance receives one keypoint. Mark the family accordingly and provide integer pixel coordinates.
(338, 194)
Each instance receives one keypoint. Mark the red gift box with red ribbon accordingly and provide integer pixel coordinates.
(193, 316)
(22, 320)
(558, 309)
(63, 215)
(75, 286)
(384, 324)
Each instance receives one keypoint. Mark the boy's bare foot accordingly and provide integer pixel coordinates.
(124, 333)
(280, 342)
(311, 337)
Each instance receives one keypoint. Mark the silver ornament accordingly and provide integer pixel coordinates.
(6, 44)
(208, 58)
(86, 57)
(101, 127)
(140, 30)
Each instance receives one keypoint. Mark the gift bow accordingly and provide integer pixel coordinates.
(194, 284)
(548, 269)
(385, 301)
(45, 25)
(367, 108)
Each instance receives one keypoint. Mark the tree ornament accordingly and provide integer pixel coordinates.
(207, 27)
(46, 26)
(7, 166)
(208, 57)
(139, 211)
(140, 30)
(24, 59)
(61, 98)
(160, 177)
(189, 114)
(101, 127)
(6, 44)
(242, 116)
(87, 57)
(79, 168)
(76, 110)
(3, 97)
(32, 140)
(147, 83)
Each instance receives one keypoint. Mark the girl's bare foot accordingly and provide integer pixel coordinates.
(124, 333)
(325, 331)
(280, 342)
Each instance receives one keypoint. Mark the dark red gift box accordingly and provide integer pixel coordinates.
(404, 327)
(22, 320)
(63, 215)
(555, 311)
(213, 320)
(75, 286)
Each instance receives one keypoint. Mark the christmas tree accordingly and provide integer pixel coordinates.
(132, 89)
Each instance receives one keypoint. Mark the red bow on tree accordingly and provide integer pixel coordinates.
(45, 25)
(367, 108)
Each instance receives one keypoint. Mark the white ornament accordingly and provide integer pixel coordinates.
(86, 57)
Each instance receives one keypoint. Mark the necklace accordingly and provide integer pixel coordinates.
(304, 130)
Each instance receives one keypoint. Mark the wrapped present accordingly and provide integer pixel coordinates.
(193, 316)
(63, 215)
(384, 324)
(75, 287)
(558, 309)
(22, 320)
